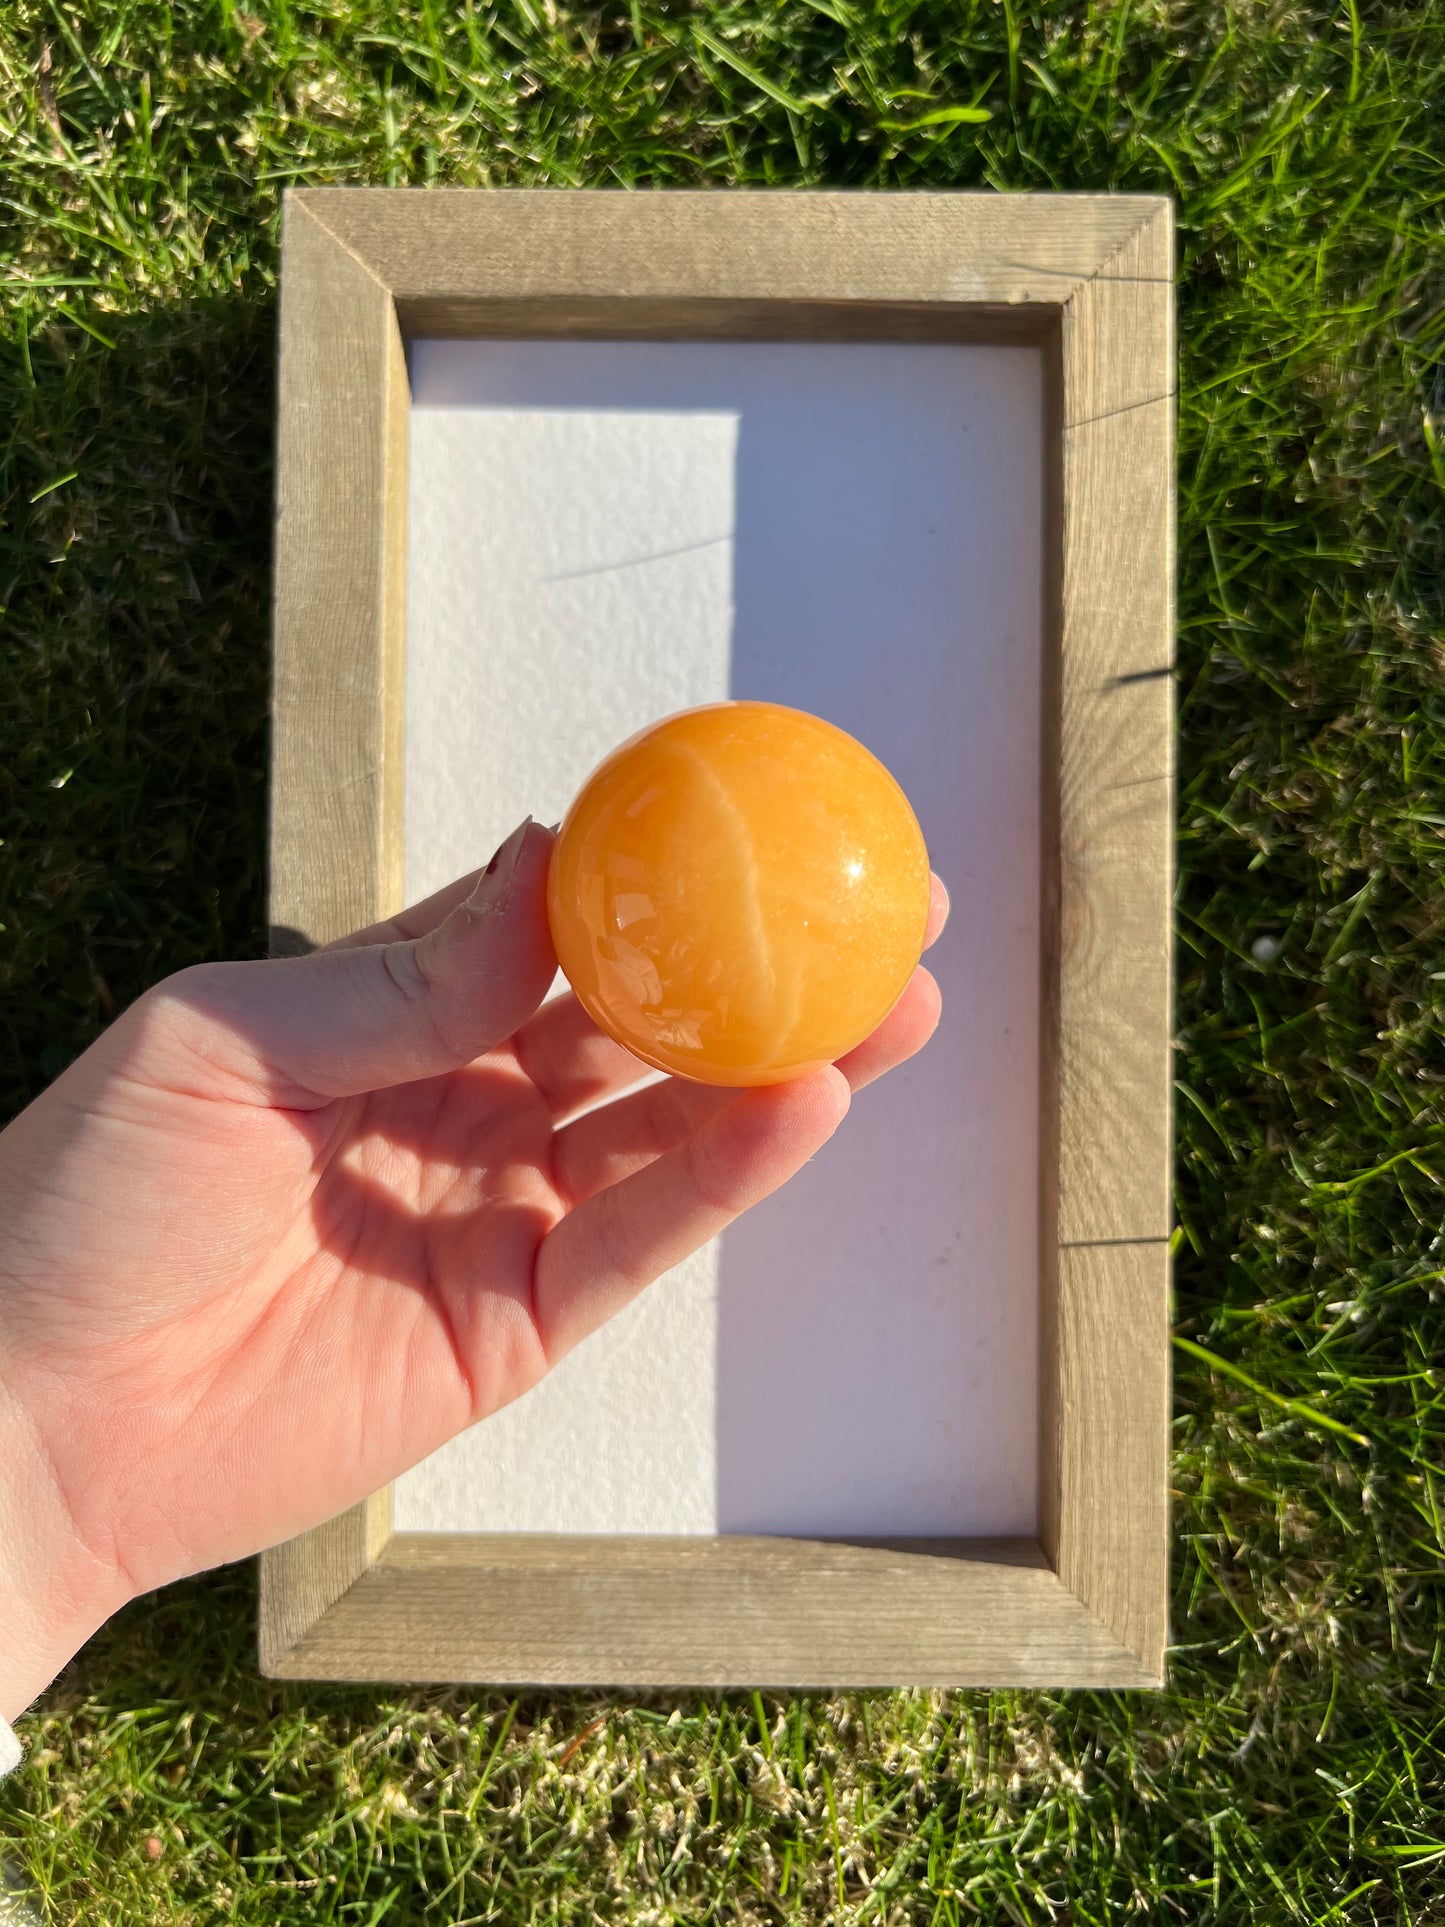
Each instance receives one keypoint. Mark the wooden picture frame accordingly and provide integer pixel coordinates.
(1089, 278)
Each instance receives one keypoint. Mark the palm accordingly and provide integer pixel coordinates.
(355, 1283)
(285, 1299)
(431, 1212)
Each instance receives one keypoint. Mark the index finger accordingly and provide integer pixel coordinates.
(601, 1254)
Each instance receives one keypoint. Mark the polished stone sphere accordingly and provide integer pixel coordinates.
(739, 893)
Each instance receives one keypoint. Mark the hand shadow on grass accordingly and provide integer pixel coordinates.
(133, 742)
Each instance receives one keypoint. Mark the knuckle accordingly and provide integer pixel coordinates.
(405, 968)
(567, 1170)
(188, 1001)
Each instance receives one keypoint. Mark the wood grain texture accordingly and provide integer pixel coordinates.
(671, 318)
(303, 1579)
(1104, 1338)
(1116, 745)
(1114, 1065)
(340, 579)
(1050, 933)
(447, 244)
(337, 712)
(1111, 1548)
(1090, 278)
(715, 1612)
(1110, 1022)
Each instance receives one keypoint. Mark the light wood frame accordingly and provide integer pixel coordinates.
(1089, 278)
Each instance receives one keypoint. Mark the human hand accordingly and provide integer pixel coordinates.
(289, 1226)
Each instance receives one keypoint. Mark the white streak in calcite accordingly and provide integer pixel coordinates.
(781, 999)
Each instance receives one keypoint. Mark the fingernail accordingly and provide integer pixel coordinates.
(504, 861)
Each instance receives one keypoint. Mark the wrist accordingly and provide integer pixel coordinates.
(54, 1592)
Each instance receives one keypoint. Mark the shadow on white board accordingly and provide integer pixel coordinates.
(602, 533)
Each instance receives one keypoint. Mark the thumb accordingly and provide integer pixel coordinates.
(359, 1018)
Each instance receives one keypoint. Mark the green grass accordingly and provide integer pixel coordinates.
(1293, 1770)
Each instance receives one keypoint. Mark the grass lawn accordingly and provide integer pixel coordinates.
(1295, 1768)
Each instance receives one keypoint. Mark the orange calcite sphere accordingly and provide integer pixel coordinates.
(739, 894)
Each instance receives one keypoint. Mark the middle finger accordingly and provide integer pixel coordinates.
(615, 1140)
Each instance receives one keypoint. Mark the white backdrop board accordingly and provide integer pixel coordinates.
(601, 533)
